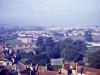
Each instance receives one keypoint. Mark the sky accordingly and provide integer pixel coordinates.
(50, 12)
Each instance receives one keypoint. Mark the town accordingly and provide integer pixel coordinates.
(49, 37)
(36, 50)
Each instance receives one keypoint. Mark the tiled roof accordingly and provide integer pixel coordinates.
(83, 70)
(92, 73)
(68, 64)
(27, 71)
(63, 71)
(20, 66)
(48, 73)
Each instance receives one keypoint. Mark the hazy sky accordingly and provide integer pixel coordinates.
(50, 12)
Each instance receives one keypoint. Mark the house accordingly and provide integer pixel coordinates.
(63, 71)
(57, 61)
(93, 44)
(43, 68)
(25, 39)
(20, 66)
(7, 51)
(69, 64)
(5, 62)
(92, 73)
(29, 71)
(2, 38)
(1, 61)
(88, 71)
(1, 47)
(80, 70)
(26, 72)
(56, 64)
(1, 54)
(48, 73)
(5, 72)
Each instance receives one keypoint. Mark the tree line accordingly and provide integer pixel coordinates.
(47, 49)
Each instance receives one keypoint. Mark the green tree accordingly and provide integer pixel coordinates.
(39, 41)
(49, 43)
(42, 62)
(65, 43)
(81, 45)
(94, 59)
(70, 53)
(88, 36)
(40, 49)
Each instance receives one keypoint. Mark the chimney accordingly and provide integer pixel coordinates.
(30, 71)
(76, 69)
(36, 67)
(19, 72)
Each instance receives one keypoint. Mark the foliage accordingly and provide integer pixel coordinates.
(39, 41)
(71, 55)
(44, 44)
(65, 43)
(14, 41)
(42, 63)
(56, 67)
(22, 55)
(82, 46)
(71, 50)
(40, 59)
(49, 67)
(24, 60)
(94, 59)
(57, 34)
(88, 36)
(54, 54)
(47, 49)
(40, 49)
(81, 63)
(49, 43)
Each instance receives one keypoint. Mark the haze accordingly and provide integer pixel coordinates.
(50, 12)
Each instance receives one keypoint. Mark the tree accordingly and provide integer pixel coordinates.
(65, 43)
(49, 43)
(42, 62)
(88, 36)
(94, 59)
(40, 49)
(70, 53)
(53, 54)
(49, 67)
(81, 45)
(39, 41)
(55, 33)
(39, 59)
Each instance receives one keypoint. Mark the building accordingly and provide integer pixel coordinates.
(25, 39)
(48, 73)
(88, 71)
(92, 44)
(80, 70)
(42, 68)
(57, 61)
(5, 62)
